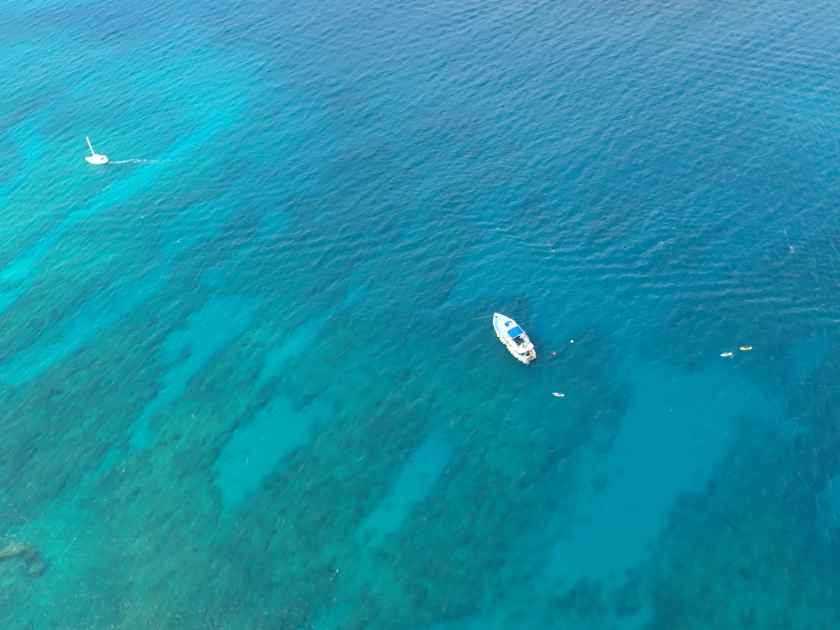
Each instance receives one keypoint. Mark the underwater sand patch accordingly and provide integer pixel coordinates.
(412, 485)
(677, 430)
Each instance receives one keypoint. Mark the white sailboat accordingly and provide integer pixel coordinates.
(514, 338)
(97, 159)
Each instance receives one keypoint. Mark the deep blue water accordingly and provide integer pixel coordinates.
(248, 377)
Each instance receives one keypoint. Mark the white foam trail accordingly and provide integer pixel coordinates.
(136, 161)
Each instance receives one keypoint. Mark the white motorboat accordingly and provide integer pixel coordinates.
(514, 337)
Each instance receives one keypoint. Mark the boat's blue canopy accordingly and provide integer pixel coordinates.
(515, 332)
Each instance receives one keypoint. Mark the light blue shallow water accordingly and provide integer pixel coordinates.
(248, 377)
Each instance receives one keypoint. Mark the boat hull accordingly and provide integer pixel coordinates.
(524, 353)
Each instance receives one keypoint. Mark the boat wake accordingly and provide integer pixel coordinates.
(136, 161)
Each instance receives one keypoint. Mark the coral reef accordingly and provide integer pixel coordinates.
(32, 560)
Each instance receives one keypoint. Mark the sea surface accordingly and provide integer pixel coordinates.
(248, 378)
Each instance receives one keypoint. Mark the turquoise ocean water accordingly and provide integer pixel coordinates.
(247, 373)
